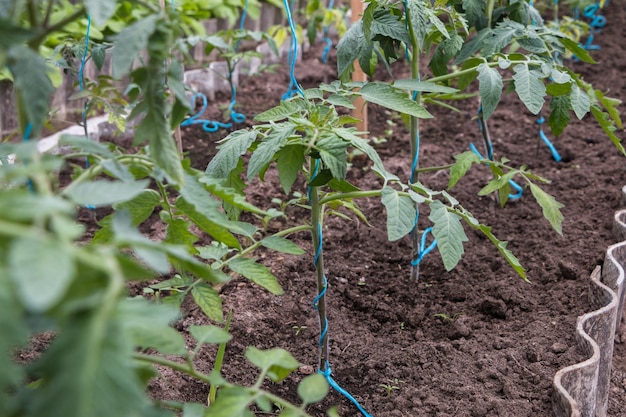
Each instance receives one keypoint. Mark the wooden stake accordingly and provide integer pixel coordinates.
(360, 112)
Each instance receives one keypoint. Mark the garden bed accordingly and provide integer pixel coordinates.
(477, 341)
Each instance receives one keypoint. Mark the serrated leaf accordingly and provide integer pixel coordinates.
(178, 233)
(418, 18)
(448, 231)
(339, 100)
(610, 104)
(38, 285)
(209, 219)
(475, 13)
(332, 150)
(412, 84)
(501, 246)
(282, 111)
(490, 87)
(257, 273)
(559, 114)
(401, 213)
(280, 244)
(580, 101)
(555, 90)
(560, 77)
(529, 87)
(88, 364)
(445, 51)
(141, 206)
(577, 50)
(129, 42)
(361, 144)
(551, 207)
(277, 362)
(209, 334)
(100, 193)
(208, 300)
(229, 151)
(289, 163)
(313, 389)
(463, 163)
(501, 181)
(32, 84)
(148, 325)
(385, 95)
(350, 48)
(608, 127)
(84, 144)
(267, 149)
(219, 189)
(100, 10)
(231, 402)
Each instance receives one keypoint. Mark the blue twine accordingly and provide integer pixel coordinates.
(326, 39)
(512, 183)
(207, 125)
(294, 86)
(597, 23)
(542, 135)
(25, 138)
(421, 254)
(327, 372)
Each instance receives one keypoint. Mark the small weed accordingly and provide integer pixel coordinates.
(391, 385)
(448, 319)
(298, 329)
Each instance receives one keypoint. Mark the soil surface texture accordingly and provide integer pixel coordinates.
(477, 341)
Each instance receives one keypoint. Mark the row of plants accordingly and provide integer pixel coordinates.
(83, 298)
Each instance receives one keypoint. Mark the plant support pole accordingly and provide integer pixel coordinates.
(320, 301)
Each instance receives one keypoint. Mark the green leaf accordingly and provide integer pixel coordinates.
(148, 325)
(100, 193)
(39, 286)
(89, 365)
(332, 150)
(100, 10)
(412, 84)
(554, 89)
(282, 111)
(388, 25)
(444, 52)
(289, 163)
(268, 148)
(141, 206)
(219, 189)
(129, 42)
(580, 101)
(417, 12)
(385, 95)
(401, 213)
(232, 402)
(560, 77)
(490, 88)
(257, 273)
(559, 114)
(230, 149)
(577, 50)
(475, 13)
(529, 87)
(313, 389)
(351, 46)
(340, 100)
(551, 207)
(14, 333)
(610, 104)
(280, 244)
(209, 301)
(277, 362)
(209, 219)
(32, 84)
(84, 144)
(209, 334)
(463, 163)
(448, 231)
(178, 233)
(607, 126)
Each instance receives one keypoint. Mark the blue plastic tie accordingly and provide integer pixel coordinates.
(423, 249)
(512, 183)
(207, 125)
(294, 87)
(326, 39)
(327, 372)
(542, 135)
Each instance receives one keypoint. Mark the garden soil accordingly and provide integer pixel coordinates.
(476, 341)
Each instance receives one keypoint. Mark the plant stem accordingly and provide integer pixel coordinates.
(219, 359)
(316, 224)
(414, 128)
(37, 40)
(467, 71)
(489, 11)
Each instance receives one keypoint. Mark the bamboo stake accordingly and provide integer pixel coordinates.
(360, 112)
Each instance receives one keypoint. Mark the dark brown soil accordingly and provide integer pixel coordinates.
(504, 339)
